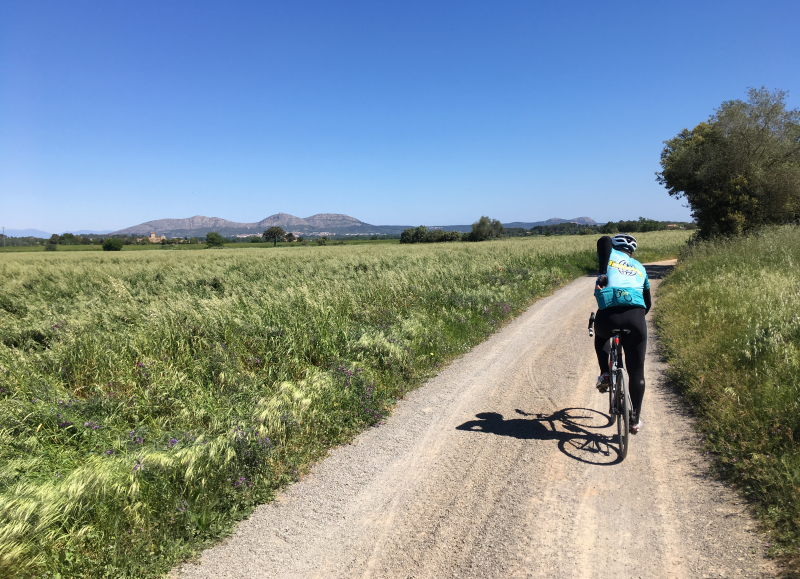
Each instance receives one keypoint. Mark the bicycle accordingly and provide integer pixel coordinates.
(619, 398)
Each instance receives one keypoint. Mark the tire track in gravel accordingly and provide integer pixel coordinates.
(502, 466)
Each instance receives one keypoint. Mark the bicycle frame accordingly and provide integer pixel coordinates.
(619, 401)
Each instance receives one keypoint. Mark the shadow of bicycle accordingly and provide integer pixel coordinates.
(573, 428)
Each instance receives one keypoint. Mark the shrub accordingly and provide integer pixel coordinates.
(112, 244)
(421, 234)
(214, 241)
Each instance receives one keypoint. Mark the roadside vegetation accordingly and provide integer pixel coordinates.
(149, 400)
(729, 316)
(729, 322)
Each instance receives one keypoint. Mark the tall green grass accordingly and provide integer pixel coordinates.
(729, 319)
(149, 399)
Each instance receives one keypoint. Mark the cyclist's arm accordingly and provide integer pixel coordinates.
(648, 302)
(603, 253)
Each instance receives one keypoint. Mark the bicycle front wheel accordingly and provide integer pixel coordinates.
(623, 422)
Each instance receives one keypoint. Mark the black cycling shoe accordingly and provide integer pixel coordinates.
(603, 382)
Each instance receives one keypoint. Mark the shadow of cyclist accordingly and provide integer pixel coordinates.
(572, 428)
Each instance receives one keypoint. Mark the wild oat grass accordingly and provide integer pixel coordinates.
(729, 319)
(149, 399)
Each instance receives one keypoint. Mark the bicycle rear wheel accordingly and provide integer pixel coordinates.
(612, 408)
(623, 424)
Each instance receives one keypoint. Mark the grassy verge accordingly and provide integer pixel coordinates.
(148, 400)
(729, 320)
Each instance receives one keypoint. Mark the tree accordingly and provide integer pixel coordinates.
(214, 240)
(112, 244)
(290, 236)
(420, 235)
(485, 228)
(740, 169)
(497, 229)
(54, 239)
(274, 234)
(322, 240)
(67, 239)
(434, 236)
(609, 228)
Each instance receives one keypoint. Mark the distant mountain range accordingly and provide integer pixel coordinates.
(27, 233)
(332, 223)
(44, 234)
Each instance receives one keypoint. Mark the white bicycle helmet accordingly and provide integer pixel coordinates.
(624, 241)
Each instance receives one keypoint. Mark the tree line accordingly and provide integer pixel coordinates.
(483, 229)
(486, 228)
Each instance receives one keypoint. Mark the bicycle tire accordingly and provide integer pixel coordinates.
(612, 409)
(623, 426)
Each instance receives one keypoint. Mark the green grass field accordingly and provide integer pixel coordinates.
(148, 400)
(729, 319)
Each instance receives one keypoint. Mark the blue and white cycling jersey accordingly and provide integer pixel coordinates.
(627, 279)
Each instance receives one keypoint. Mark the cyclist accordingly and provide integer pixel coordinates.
(623, 298)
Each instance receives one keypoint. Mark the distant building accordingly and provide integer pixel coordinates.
(156, 238)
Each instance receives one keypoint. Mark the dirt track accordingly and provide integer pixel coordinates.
(501, 467)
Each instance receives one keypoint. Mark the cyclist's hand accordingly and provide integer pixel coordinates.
(602, 281)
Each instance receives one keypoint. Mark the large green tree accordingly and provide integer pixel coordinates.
(740, 169)
(274, 234)
(485, 228)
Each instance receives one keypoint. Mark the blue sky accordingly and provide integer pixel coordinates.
(114, 113)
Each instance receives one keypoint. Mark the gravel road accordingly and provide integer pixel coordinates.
(503, 466)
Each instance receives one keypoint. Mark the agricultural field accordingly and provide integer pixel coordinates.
(148, 400)
(729, 320)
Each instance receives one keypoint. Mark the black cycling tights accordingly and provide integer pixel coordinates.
(634, 344)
